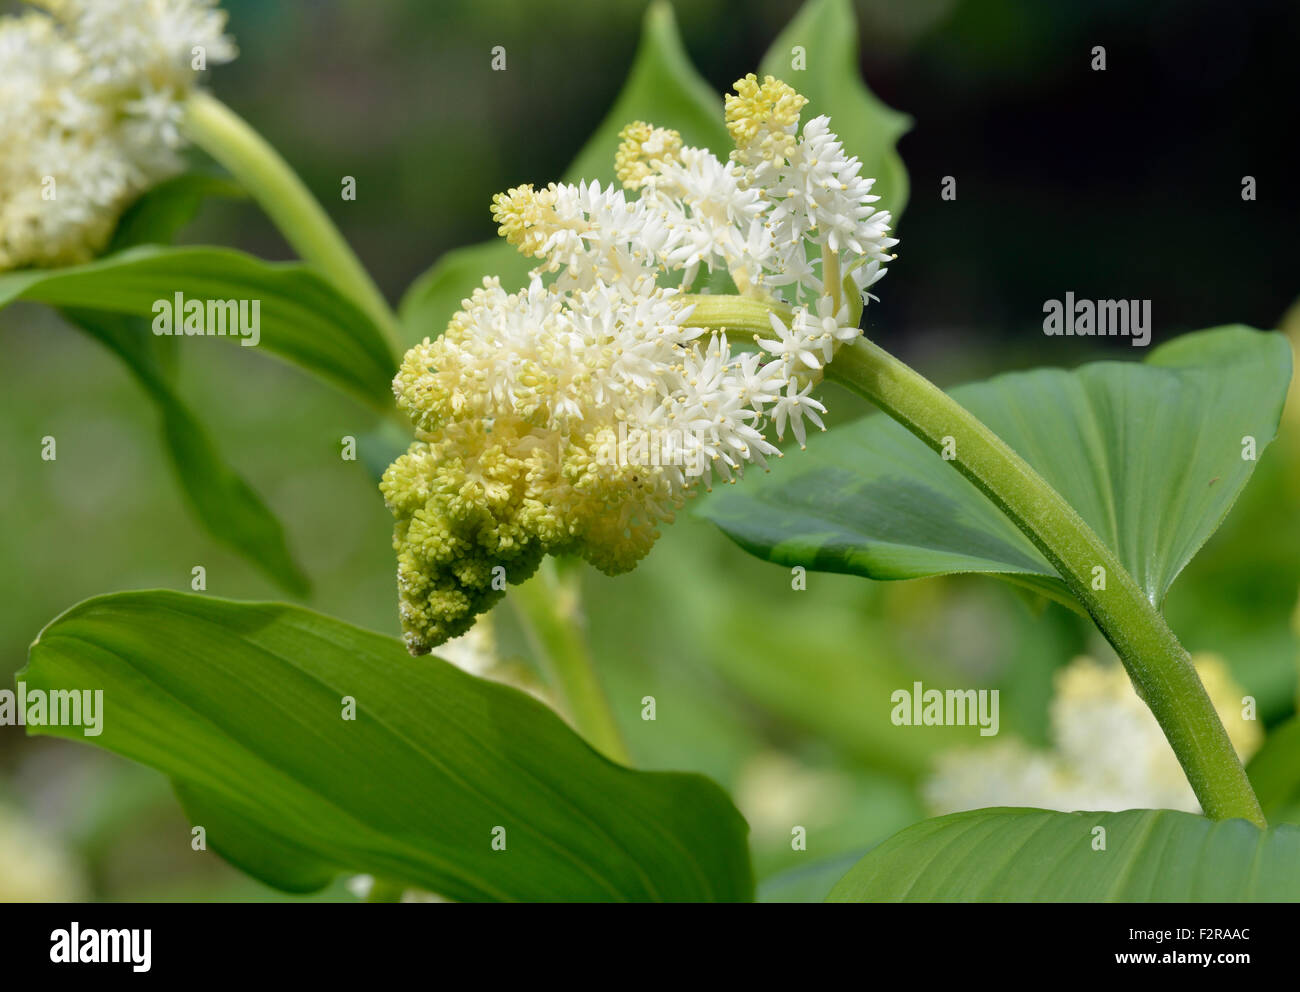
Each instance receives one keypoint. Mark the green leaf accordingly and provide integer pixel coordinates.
(828, 33)
(1275, 772)
(436, 295)
(242, 705)
(808, 884)
(228, 508)
(839, 695)
(1149, 454)
(223, 502)
(1032, 855)
(302, 317)
(158, 215)
(662, 88)
(380, 447)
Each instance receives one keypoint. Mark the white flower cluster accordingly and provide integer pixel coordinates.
(1108, 751)
(524, 406)
(91, 99)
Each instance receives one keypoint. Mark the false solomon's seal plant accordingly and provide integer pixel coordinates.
(516, 401)
(683, 297)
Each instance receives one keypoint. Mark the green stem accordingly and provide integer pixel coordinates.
(549, 605)
(831, 274)
(1159, 666)
(225, 136)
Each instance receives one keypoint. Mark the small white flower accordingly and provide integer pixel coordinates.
(797, 404)
(833, 324)
(793, 345)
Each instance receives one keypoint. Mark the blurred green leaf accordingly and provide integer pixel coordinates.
(1024, 855)
(382, 446)
(1149, 454)
(662, 88)
(158, 215)
(431, 300)
(222, 501)
(827, 31)
(241, 704)
(303, 318)
(801, 673)
(812, 883)
(823, 673)
(1275, 772)
(1238, 597)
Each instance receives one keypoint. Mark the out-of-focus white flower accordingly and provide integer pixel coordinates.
(32, 867)
(473, 651)
(476, 652)
(579, 414)
(137, 45)
(91, 99)
(775, 792)
(362, 885)
(1108, 751)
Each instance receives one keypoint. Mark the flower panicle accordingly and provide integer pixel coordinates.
(580, 413)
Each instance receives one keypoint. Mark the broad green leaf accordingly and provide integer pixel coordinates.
(662, 88)
(159, 214)
(1150, 454)
(243, 704)
(1275, 772)
(224, 503)
(302, 317)
(827, 31)
(812, 883)
(1033, 855)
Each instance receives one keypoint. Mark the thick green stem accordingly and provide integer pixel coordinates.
(550, 607)
(1157, 663)
(225, 136)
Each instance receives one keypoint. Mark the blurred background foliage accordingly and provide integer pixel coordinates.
(1117, 184)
